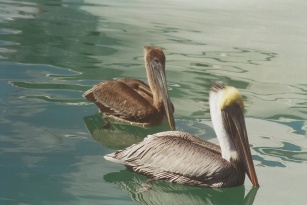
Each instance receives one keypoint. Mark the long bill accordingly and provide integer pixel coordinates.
(158, 75)
(234, 122)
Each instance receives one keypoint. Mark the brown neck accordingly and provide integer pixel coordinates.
(156, 97)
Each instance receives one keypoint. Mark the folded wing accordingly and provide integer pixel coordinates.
(176, 157)
(126, 98)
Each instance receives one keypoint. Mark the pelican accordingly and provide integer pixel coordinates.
(132, 101)
(180, 157)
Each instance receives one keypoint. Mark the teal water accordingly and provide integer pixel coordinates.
(51, 141)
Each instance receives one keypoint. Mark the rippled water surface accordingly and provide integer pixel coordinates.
(51, 139)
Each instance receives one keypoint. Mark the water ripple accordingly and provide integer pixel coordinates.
(285, 152)
(283, 142)
(47, 86)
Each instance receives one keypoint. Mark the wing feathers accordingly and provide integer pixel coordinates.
(122, 98)
(176, 157)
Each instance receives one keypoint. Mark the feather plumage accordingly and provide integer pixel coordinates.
(121, 97)
(178, 157)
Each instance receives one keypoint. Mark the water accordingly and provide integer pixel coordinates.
(51, 141)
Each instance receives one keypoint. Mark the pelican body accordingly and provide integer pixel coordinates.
(132, 101)
(183, 158)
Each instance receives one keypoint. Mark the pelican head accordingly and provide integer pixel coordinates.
(227, 113)
(155, 68)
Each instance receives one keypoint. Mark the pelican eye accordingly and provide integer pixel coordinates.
(156, 60)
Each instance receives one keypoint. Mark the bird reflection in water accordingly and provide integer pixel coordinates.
(117, 136)
(170, 193)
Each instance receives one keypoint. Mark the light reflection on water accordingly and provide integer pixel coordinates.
(52, 141)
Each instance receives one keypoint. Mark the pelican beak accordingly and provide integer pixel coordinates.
(234, 123)
(158, 75)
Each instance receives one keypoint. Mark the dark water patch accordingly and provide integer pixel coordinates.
(267, 163)
(288, 152)
(297, 126)
(40, 171)
(49, 46)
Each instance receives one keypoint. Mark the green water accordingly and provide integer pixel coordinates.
(51, 139)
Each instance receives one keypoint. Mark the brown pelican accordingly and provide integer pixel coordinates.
(183, 158)
(132, 101)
